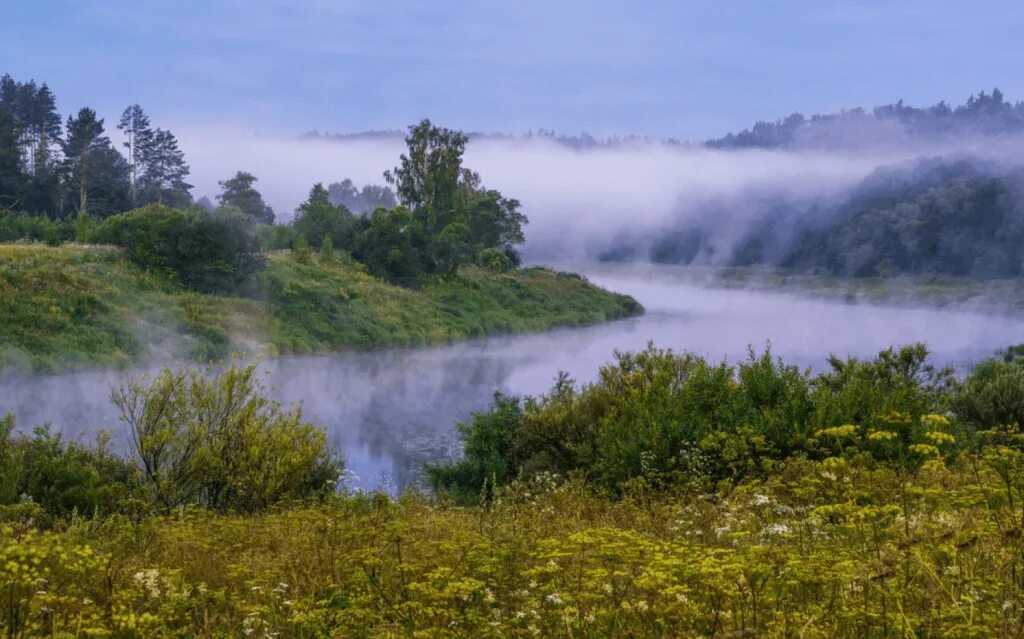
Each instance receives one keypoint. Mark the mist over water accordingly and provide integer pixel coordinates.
(392, 411)
(581, 202)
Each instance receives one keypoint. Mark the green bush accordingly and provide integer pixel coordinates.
(62, 478)
(993, 396)
(36, 228)
(219, 443)
(669, 419)
(209, 252)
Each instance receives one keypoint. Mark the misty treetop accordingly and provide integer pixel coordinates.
(364, 200)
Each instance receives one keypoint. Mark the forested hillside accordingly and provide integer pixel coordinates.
(985, 114)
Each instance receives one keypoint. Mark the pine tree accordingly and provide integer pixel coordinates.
(11, 177)
(138, 140)
(94, 167)
(165, 171)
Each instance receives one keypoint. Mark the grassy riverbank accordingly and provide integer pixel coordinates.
(81, 306)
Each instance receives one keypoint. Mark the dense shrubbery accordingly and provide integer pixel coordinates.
(666, 418)
(221, 444)
(44, 475)
(210, 252)
(207, 440)
(21, 226)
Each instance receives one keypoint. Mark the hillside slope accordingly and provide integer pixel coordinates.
(83, 306)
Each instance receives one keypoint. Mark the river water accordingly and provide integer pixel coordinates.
(392, 411)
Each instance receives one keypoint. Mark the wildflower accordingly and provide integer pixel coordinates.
(881, 435)
(777, 529)
(554, 598)
(761, 500)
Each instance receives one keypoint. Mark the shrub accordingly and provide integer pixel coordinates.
(219, 443)
(209, 252)
(993, 396)
(35, 228)
(494, 259)
(669, 419)
(62, 478)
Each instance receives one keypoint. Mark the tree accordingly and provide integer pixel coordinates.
(239, 192)
(317, 218)
(36, 127)
(138, 138)
(218, 442)
(496, 222)
(427, 178)
(386, 246)
(210, 252)
(165, 171)
(12, 180)
(366, 200)
(93, 166)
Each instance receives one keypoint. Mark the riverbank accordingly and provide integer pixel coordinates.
(77, 306)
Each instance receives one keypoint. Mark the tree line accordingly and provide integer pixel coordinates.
(984, 113)
(58, 180)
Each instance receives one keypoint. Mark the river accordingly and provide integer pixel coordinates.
(392, 411)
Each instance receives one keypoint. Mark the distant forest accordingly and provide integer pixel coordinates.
(984, 113)
(958, 217)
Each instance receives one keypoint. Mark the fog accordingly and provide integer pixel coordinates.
(581, 201)
(392, 411)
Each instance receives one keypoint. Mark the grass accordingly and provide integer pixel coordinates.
(79, 306)
(330, 306)
(820, 549)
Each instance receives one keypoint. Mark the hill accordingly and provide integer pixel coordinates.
(82, 306)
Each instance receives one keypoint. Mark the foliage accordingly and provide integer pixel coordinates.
(360, 201)
(318, 218)
(219, 443)
(240, 193)
(906, 526)
(34, 228)
(984, 113)
(667, 418)
(62, 479)
(947, 219)
(209, 252)
(993, 395)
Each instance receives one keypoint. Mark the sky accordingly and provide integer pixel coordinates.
(679, 69)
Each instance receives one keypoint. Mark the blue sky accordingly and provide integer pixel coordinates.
(667, 69)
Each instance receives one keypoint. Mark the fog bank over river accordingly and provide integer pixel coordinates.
(391, 411)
